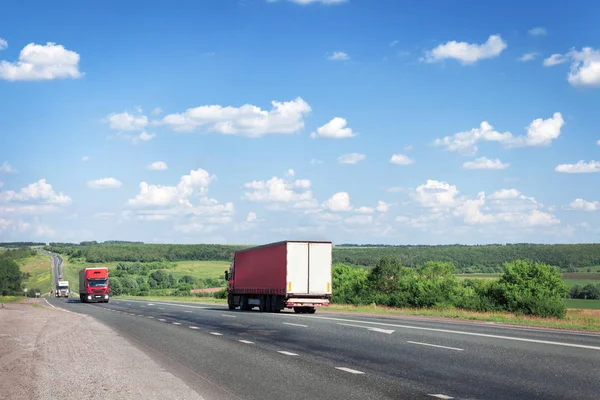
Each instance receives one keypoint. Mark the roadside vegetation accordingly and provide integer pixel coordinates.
(11, 274)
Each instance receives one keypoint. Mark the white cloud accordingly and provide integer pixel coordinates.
(581, 204)
(104, 183)
(158, 166)
(504, 194)
(36, 198)
(159, 195)
(278, 191)
(538, 31)
(103, 215)
(585, 69)
(251, 217)
(598, 142)
(554, 59)
(528, 57)
(401, 159)
(42, 62)
(382, 207)
(485, 163)
(540, 132)
(408, 148)
(247, 120)
(85, 158)
(364, 210)
(436, 195)
(339, 56)
(127, 122)
(334, 129)
(3, 44)
(338, 202)
(581, 167)
(157, 110)
(7, 168)
(290, 172)
(351, 158)
(467, 53)
(143, 137)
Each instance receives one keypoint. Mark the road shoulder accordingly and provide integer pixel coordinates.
(48, 352)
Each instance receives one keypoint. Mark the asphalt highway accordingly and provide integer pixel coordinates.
(252, 355)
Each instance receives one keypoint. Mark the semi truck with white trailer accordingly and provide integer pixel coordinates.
(287, 274)
(62, 289)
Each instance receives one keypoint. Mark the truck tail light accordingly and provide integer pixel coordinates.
(328, 286)
(289, 286)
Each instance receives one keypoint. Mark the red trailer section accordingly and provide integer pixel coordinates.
(261, 270)
(288, 274)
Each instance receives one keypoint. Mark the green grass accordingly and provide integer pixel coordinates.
(10, 299)
(38, 267)
(588, 320)
(197, 269)
(583, 304)
(582, 282)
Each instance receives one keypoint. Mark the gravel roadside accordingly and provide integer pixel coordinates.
(48, 353)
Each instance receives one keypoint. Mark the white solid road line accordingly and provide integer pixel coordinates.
(419, 328)
(176, 323)
(246, 341)
(289, 323)
(440, 396)
(216, 333)
(388, 331)
(47, 302)
(352, 371)
(435, 345)
(194, 327)
(287, 353)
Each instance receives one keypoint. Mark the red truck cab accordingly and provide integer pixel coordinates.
(93, 285)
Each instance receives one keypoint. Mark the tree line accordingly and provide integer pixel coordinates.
(525, 287)
(20, 244)
(466, 259)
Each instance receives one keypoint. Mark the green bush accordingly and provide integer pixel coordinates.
(531, 288)
(221, 294)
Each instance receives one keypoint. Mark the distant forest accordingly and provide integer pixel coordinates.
(16, 245)
(466, 259)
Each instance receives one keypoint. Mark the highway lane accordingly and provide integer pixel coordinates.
(326, 355)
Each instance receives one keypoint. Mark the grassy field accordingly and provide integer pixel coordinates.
(10, 299)
(197, 269)
(39, 269)
(583, 304)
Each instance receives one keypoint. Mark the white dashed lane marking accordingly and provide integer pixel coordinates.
(287, 353)
(352, 371)
(216, 333)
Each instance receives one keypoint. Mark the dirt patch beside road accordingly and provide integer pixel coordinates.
(50, 353)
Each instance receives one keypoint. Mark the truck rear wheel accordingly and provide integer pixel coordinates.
(244, 303)
(275, 303)
(230, 302)
(311, 310)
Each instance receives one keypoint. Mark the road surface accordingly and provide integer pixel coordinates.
(251, 355)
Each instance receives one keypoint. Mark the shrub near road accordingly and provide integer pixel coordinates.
(526, 287)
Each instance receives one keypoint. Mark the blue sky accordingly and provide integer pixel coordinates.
(252, 121)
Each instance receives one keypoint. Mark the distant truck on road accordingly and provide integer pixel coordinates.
(287, 274)
(93, 285)
(62, 289)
